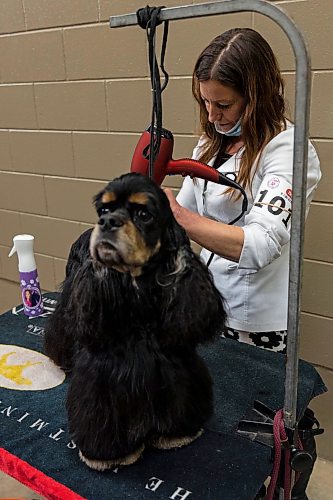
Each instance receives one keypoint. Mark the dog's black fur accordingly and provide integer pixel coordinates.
(135, 303)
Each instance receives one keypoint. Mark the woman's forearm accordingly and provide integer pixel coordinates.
(221, 239)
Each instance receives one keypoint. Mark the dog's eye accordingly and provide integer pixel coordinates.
(102, 211)
(143, 215)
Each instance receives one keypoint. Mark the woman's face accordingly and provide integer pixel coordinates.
(224, 104)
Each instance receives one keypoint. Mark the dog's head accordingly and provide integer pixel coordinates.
(133, 213)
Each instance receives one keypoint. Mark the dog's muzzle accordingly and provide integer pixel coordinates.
(104, 242)
(106, 253)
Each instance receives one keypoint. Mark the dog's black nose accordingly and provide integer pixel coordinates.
(109, 222)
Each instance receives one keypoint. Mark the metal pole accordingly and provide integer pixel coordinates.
(302, 99)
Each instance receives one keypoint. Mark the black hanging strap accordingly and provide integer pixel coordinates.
(148, 19)
(144, 16)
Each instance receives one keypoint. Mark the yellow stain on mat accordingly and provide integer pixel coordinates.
(22, 369)
(15, 372)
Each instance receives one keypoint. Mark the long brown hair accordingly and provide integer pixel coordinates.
(241, 59)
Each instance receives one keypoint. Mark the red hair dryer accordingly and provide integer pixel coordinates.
(165, 165)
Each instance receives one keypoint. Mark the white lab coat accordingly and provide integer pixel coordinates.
(256, 288)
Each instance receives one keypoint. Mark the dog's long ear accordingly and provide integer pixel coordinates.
(98, 300)
(192, 307)
(60, 328)
(175, 236)
(78, 254)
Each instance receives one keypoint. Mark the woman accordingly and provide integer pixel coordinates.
(28, 298)
(245, 135)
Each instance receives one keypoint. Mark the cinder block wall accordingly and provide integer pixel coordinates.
(75, 97)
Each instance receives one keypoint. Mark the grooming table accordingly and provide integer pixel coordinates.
(221, 465)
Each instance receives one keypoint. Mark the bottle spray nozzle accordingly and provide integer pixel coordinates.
(13, 250)
(23, 245)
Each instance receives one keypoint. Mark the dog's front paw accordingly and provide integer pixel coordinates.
(101, 465)
(167, 442)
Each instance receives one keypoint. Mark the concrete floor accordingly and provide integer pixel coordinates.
(320, 487)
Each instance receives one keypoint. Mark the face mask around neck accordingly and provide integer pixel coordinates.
(235, 131)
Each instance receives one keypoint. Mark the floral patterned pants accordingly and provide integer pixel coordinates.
(272, 341)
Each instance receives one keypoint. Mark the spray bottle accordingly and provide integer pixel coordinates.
(23, 244)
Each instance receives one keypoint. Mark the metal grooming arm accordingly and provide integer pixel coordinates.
(302, 100)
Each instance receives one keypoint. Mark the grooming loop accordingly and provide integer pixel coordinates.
(265, 426)
(302, 91)
(280, 440)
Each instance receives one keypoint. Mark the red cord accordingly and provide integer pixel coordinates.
(280, 437)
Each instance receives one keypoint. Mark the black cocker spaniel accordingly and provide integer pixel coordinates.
(135, 303)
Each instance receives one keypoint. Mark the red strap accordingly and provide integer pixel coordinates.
(35, 479)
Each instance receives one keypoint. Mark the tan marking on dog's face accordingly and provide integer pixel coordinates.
(140, 198)
(108, 197)
(138, 253)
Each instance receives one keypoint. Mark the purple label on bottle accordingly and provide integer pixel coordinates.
(31, 294)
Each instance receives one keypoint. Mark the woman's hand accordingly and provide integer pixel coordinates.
(174, 205)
